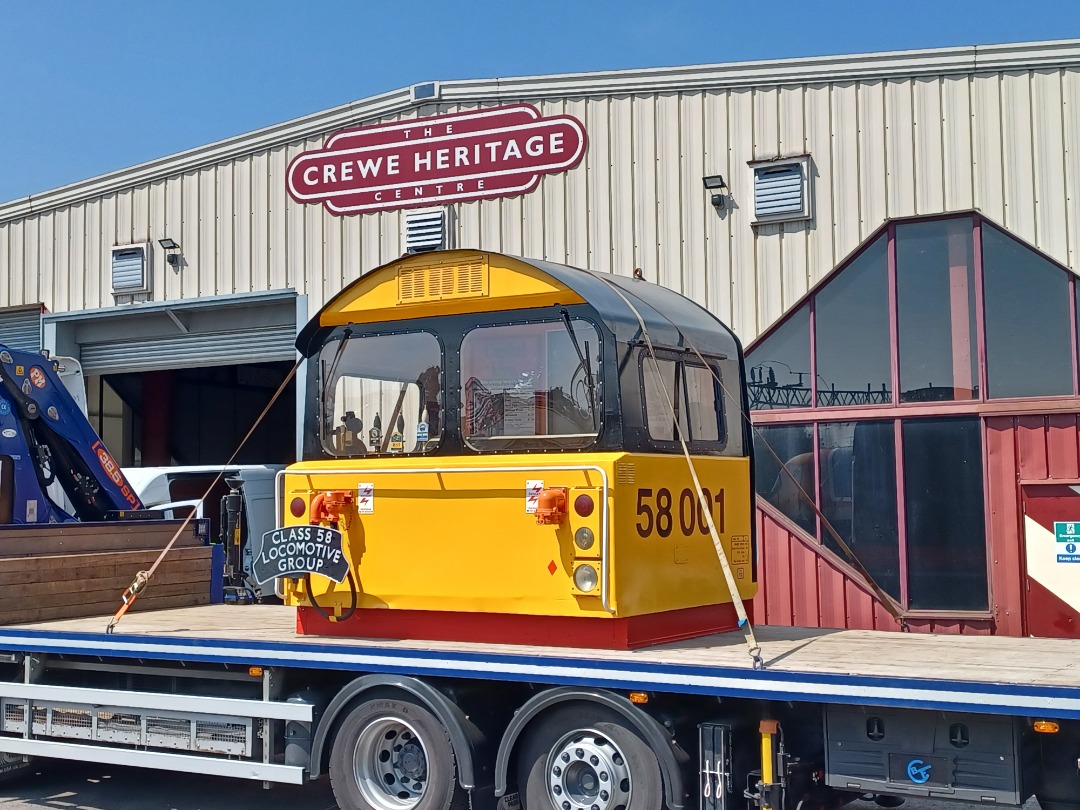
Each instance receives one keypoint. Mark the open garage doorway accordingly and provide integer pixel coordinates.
(180, 383)
(195, 416)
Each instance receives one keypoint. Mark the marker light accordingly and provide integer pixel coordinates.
(1046, 727)
(298, 506)
(639, 697)
(585, 578)
(584, 538)
(583, 505)
(255, 672)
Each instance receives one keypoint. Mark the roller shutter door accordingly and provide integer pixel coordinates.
(20, 328)
(190, 351)
(207, 332)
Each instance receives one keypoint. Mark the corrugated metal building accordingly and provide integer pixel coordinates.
(806, 160)
(889, 135)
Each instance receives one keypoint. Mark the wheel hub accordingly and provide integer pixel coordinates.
(390, 765)
(586, 771)
(411, 761)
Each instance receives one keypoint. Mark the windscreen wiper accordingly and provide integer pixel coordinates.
(583, 359)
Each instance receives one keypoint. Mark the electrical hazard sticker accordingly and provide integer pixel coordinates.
(532, 495)
(365, 499)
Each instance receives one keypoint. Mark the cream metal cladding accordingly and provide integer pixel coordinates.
(995, 128)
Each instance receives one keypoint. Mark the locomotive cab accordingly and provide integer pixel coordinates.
(499, 438)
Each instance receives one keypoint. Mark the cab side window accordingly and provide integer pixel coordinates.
(680, 390)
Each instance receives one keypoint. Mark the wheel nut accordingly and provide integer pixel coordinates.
(594, 760)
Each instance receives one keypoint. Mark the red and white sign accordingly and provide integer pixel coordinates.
(500, 152)
(532, 495)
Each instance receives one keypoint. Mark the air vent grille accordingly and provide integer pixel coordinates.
(425, 230)
(438, 282)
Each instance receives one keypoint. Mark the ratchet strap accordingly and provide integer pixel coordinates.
(142, 579)
(753, 648)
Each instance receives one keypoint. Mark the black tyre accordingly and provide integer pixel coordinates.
(587, 757)
(394, 754)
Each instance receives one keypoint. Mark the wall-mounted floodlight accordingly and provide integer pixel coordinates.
(715, 183)
(170, 245)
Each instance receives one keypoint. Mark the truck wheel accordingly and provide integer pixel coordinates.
(588, 758)
(394, 754)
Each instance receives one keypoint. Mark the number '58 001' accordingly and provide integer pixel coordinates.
(663, 513)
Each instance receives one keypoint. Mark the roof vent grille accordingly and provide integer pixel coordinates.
(439, 281)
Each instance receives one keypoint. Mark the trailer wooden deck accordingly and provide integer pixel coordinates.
(973, 659)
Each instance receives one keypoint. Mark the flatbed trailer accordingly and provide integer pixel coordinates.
(235, 691)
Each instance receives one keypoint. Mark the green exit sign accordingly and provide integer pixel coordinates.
(1067, 531)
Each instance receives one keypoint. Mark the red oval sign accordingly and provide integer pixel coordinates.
(481, 154)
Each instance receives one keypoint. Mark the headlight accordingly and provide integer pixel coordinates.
(584, 538)
(585, 578)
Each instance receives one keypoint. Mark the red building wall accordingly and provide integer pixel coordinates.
(803, 584)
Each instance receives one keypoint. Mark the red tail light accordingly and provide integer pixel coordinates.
(583, 505)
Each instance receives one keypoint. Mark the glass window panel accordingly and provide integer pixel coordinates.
(794, 445)
(858, 496)
(943, 508)
(657, 407)
(702, 406)
(779, 366)
(935, 290)
(527, 386)
(695, 394)
(381, 394)
(733, 422)
(851, 321)
(1028, 338)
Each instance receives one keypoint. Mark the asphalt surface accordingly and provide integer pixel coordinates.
(75, 786)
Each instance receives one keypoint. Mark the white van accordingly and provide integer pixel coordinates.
(175, 491)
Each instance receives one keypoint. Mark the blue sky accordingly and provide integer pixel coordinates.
(89, 87)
